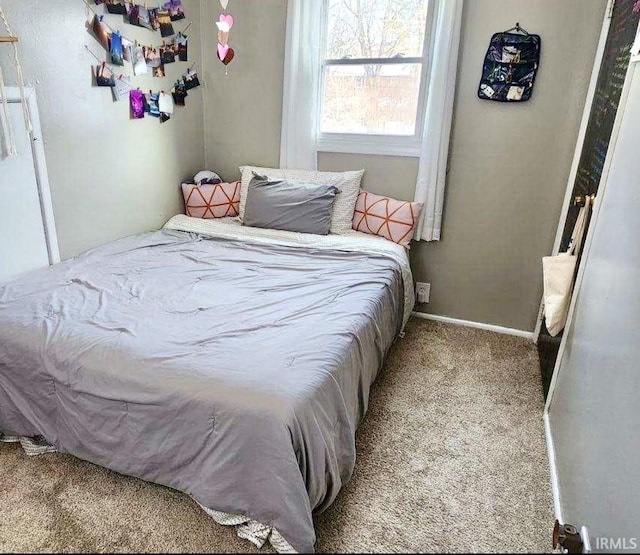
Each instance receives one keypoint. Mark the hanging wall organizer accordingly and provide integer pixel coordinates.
(510, 66)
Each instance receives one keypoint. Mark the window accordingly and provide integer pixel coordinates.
(373, 76)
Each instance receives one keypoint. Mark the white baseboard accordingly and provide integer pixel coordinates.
(489, 327)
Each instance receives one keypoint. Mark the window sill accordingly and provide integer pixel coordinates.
(379, 146)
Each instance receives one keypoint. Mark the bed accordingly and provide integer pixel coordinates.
(231, 363)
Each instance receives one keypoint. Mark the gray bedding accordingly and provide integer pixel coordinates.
(233, 371)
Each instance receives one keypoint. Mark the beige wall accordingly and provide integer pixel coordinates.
(243, 110)
(110, 176)
(509, 163)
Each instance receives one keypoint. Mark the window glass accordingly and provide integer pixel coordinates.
(375, 28)
(371, 99)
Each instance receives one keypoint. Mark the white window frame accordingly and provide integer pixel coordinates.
(389, 145)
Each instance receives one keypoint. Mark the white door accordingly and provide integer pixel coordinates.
(25, 215)
(593, 414)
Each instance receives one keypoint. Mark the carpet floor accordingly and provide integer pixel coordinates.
(451, 458)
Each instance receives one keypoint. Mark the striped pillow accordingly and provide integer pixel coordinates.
(392, 219)
(348, 183)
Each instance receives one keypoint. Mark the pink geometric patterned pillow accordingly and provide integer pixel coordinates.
(211, 201)
(392, 219)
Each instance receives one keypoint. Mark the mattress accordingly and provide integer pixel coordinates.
(229, 363)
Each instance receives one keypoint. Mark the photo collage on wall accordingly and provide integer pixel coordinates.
(143, 59)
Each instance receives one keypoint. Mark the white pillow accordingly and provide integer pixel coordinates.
(343, 207)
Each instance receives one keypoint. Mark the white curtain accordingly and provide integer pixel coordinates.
(439, 112)
(301, 76)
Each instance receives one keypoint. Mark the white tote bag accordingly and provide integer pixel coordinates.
(558, 274)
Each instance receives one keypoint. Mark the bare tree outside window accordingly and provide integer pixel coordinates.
(380, 97)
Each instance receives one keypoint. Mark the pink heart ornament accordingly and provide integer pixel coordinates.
(226, 18)
(223, 50)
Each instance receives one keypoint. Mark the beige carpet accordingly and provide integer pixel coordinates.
(451, 457)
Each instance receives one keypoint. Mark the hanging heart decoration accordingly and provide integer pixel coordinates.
(226, 20)
(229, 57)
(223, 50)
(224, 4)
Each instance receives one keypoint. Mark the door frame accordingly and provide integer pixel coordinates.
(584, 124)
(40, 165)
(602, 189)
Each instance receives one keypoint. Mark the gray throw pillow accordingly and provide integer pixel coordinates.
(301, 207)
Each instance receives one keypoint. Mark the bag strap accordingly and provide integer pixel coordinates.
(580, 228)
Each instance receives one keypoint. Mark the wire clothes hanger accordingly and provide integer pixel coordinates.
(518, 29)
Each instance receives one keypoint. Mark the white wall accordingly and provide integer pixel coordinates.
(110, 176)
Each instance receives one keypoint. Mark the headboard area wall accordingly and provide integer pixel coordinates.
(509, 164)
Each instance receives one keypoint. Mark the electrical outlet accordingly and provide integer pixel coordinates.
(423, 292)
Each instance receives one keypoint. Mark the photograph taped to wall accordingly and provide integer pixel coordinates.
(145, 104)
(101, 31)
(164, 20)
(153, 19)
(182, 46)
(127, 50)
(104, 76)
(175, 9)
(116, 7)
(180, 94)
(191, 80)
(165, 103)
(144, 18)
(138, 61)
(152, 104)
(152, 57)
(116, 49)
(136, 100)
(168, 53)
(122, 87)
(133, 14)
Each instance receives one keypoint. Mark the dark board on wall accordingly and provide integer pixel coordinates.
(617, 53)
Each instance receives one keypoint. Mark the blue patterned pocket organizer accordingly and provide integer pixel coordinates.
(510, 67)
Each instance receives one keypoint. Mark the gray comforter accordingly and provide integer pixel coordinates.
(232, 371)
